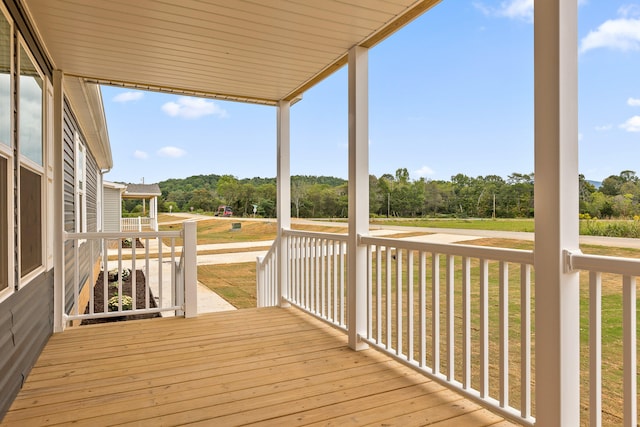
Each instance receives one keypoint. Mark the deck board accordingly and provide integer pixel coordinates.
(263, 366)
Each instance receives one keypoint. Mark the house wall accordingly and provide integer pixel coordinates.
(88, 251)
(26, 322)
(112, 207)
(26, 314)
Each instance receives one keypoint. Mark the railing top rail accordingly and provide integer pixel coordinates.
(518, 256)
(262, 259)
(316, 235)
(119, 235)
(604, 264)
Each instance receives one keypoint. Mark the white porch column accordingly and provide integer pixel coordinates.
(190, 248)
(358, 193)
(284, 196)
(557, 294)
(153, 213)
(58, 203)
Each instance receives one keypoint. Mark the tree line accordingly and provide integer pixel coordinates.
(394, 196)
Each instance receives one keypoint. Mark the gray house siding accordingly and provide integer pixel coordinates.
(26, 316)
(88, 248)
(112, 205)
(26, 323)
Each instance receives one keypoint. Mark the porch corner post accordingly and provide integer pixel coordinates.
(58, 203)
(284, 197)
(358, 195)
(557, 291)
(190, 248)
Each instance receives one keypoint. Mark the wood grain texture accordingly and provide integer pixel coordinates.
(268, 366)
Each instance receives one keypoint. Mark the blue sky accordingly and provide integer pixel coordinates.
(450, 93)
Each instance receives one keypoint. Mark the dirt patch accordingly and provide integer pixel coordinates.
(127, 285)
(126, 244)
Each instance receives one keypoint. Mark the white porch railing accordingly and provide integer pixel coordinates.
(138, 224)
(620, 275)
(463, 315)
(456, 313)
(167, 276)
(267, 277)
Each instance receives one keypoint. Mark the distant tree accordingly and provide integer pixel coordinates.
(611, 185)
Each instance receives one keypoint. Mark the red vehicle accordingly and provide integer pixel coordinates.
(224, 211)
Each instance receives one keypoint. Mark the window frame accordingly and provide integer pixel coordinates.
(40, 170)
(6, 152)
(80, 172)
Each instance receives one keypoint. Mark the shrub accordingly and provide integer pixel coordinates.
(127, 303)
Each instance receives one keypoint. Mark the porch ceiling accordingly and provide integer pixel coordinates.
(247, 50)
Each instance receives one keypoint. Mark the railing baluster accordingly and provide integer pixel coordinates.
(173, 272)
(119, 274)
(629, 350)
(160, 282)
(369, 291)
(133, 274)
(423, 308)
(435, 312)
(466, 322)
(105, 276)
(329, 285)
(504, 334)
(399, 310)
(484, 328)
(342, 282)
(76, 276)
(336, 271)
(450, 318)
(378, 294)
(410, 354)
(147, 302)
(595, 349)
(525, 340)
(388, 299)
(323, 282)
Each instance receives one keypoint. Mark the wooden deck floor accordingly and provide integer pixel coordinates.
(271, 366)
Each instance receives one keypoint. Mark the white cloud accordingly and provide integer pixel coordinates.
(128, 96)
(580, 136)
(424, 171)
(514, 9)
(194, 108)
(621, 34)
(632, 125)
(139, 154)
(633, 102)
(603, 128)
(173, 152)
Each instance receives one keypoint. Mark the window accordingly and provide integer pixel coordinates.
(81, 199)
(30, 221)
(6, 157)
(5, 80)
(31, 170)
(30, 109)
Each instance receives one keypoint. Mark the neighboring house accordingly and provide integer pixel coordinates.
(114, 193)
(112, 206)
(149, 194)
(53, 184)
